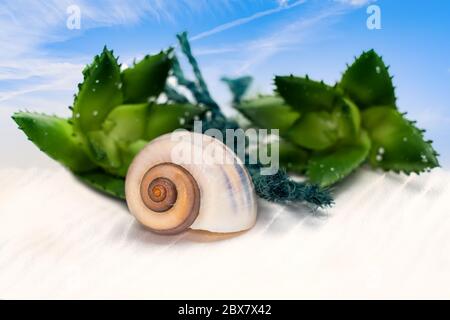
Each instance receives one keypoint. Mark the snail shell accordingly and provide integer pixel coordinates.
(180, 181)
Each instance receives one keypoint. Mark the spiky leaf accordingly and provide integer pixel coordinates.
(104, 150)
(128, 152)
(127, 123)
(146, 79)
(396, 143)
(348, 119)
(99, 93)
(104, 182)
(127, 126)
(116, 156)
(292, 157)
(314, 130)
(289, 156)
(269, 112)
(55, 137)
(166, 118)
(367, 82)
(328, 167)
(305, 94)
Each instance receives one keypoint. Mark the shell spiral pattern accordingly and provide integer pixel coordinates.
(189, 180)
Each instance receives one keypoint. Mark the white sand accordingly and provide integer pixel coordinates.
(387, 237)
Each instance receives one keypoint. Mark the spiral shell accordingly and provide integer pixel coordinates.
(189, 180)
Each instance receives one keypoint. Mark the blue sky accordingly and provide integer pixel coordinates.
(41, 59)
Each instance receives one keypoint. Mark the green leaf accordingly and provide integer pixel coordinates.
(130, 126)
(166, 118)
(292, 157)
(269, 112)
(135, 147)
(306, 95)
(314, 130)
(368, 83)
(99, 93)
(348, 119)
(104, 182)
(146, 79)
(127, 123)
(55, 137)
(104, 150)
(328, 167)
(128, 152)
(396, 143)
(116, 156)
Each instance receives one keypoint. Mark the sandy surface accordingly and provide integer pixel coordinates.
(387, 237)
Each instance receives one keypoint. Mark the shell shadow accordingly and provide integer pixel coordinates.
(280, 219)
(206, 236)
(274, 219)
(139, 233)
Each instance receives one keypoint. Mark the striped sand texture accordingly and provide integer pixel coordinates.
(387, 237)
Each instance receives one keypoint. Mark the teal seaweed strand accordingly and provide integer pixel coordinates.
(279, 187)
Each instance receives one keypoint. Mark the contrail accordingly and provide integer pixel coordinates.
(245, 20)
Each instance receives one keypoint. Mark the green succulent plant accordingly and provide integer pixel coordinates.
(329, 131)
(116, 113)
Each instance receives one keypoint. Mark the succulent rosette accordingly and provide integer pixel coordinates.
(329, 131)
(117, 112)
(114, 115)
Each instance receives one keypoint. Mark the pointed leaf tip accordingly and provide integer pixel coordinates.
(367, 81)
(54, 136)
(328, 167)
(396, 143)
(98, 94)
(146, 78)
(305, 94)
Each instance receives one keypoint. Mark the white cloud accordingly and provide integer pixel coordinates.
(290, 35)
(283, 5)
(28, 25)
(248, 57)
(25, 68)
(39, 75)
(254, 53)
(356, 3)
(211, 51)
